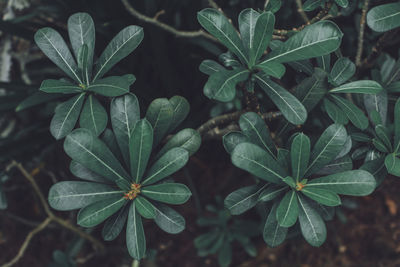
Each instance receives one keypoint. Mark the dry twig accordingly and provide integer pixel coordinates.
(361, 33)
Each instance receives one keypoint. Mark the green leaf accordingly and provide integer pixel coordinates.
(232, 139)
(94, 116)
(84, 173)
(355, 114)
(342, 70)
(124, 113)
(112, 86)
(289, 105)
(218, 25)
(181, 109)
(188, 139)
(290, 181)
(377, 103)
(66, 116)
(96, 213)
(83, 64)
(140, 146)
(247, 23)
(360, 87)
(318, 39)
(160, 114)
(262, 36)
(120, 46)
(392, 164)
(108, 137)
(327, 148)
(210, 67)
(82, 32)
(379, 145)
(36, 99)
(271, 192)
(283, 157)
(206, 240)
(54, 47)
(273, 233)
(135, 237)
(311, 224)
(353, 183)
(167, 164)
(59, 86)
(221, 85)
(74, 195)
(339, 165)
(170, 193)
(145, 208)
(273, 5)
(335, 113)
(169, 220)
(384, 17)
(300, 155)
(383, 134)
(273, 69)
(225, 254)
(82, 146)
(311, 90)
(288, 210)
(3, 199)
(243, 199)
(311, 5)
(258, 162)
(342, 3)
(254, 127)
(325, 197)
(397, 126)
(114, 225)
(324, 62)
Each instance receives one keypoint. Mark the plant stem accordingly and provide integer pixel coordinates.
(361, 33)
(135, 263)
(301, 11)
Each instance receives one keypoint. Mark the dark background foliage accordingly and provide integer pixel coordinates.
(166, 65)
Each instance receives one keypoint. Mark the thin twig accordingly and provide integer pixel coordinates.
(166, 27)
(361, 33)
(28, 239)
(301, 11)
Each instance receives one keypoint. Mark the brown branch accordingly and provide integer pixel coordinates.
(301, 11)
(51, 216)
(166, 27)
(361, 33)
(28, 239)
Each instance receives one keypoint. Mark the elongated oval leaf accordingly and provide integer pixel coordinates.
(59, 86)
(84, 173)
(112, 86)
(169, 163)
(312, 225)
(258, 162)
(262, 36)
(288, 210)
(210, 67)
(82, 32)
(66, 116)
(335, 113)
(342, 70)
(291, 108)
(170, 193)
(273, 233)
(247, 23)
(254, 127)
(124, 113)
(397, 126)
(140, 146)
(218, 25)
(169, 220)
(272, 68)
(392, 164)
(94, 116)
(327, 147)
(54, 47)
(353, 183)
(338, 165)
(360, 87)
(221, 85)
(83, 59)
(145, 208)
(181, 109)
(160, 114)
(354, 113)
(384, 17)
(243, 199)
(120, 46)
(135, 238)
(271, 192)
(99, 211)
(114, 225)
(188, 139)
(325, 197)
(318, 39)
(82, 146)
(73, 195)
(300, 155)
(232, 139)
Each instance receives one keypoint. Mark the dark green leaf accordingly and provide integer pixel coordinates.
(114, 225)
(169, 220)
(383, 134)
(135, 238)
(66, 116)
(232, 139)
(243, 199)
(342, 3)
(355, 114)
(377, 103)
(37, 99)
(112, 86)
(273, 234)
(145, 208)
(360, 87)
(262, 36)
(120, 46)
(170, 193)
(181, 109)
(384, 17)
(84, 173)
(311, 5)
(300, 155)
(335, 113)
(397, 126)
(392, 164)
(342, 70)
(160, 114)
(273, 69)
(59, 86)
(339, 165)
(271, 192)
(188, 139)
(247, 23)
(225, 254)
(94, 116)
(210, 67)
(288, 210)
(325, 197)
